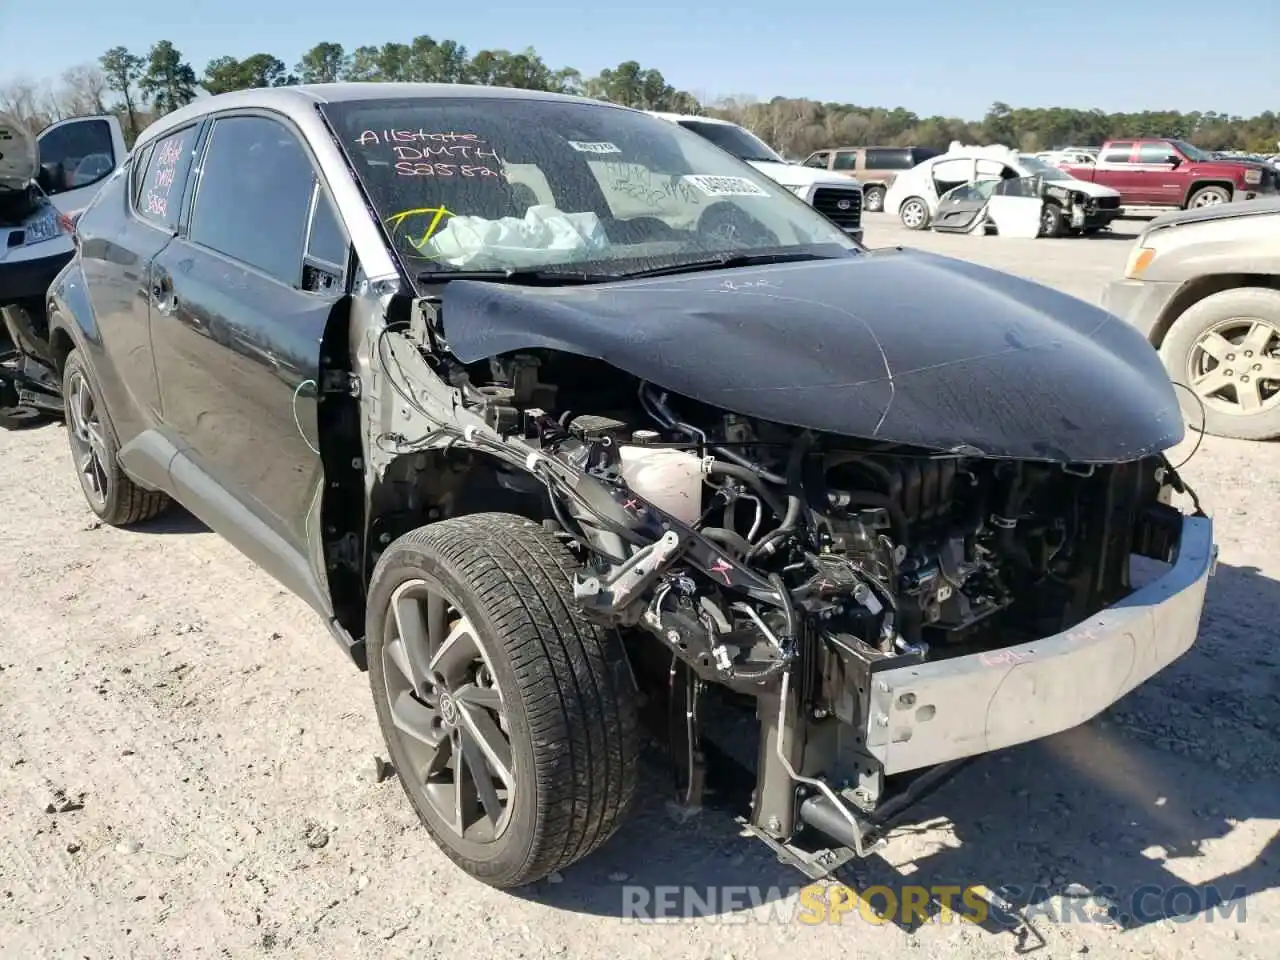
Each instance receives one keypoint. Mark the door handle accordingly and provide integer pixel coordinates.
(167, 304)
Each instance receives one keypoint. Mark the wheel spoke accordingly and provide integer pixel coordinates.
(1268, 369)
(415, 719)
(99, 477)
(437, 622)
(1217, 346)
(479, 727)
(1208, 384)
(1258, 337)
(1249, 395)
(84, 403)
(409, 650)
(456, 653)
(481, 780)
(487, 697)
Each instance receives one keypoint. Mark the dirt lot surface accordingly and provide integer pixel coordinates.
(187, 767)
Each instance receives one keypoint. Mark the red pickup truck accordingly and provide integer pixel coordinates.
(1173, 173)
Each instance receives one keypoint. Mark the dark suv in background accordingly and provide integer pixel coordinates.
(874, 167)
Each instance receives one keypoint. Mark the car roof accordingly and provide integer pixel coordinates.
(302, 98)
(675, 117)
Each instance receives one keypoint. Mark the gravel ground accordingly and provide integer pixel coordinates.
(187, 766)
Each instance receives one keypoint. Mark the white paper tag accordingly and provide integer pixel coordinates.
(604, 147)
(726, 186)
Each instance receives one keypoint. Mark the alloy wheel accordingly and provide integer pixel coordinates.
(1234, 366)
(913, 214)
(88, 442)
(1207, 198)
(448, 714)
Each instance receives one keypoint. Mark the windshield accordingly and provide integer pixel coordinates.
(580, 188)
(1190, 152)
(742, 143)
(1046, 171)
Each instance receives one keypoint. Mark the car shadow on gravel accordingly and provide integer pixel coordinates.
(1081, 828)
(175, 519)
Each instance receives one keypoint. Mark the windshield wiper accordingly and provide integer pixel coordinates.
(536, 277)
(723, 262)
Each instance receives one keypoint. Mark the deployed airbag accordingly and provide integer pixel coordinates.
(544, 235)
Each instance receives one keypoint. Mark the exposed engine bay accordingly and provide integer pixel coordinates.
(780, 567)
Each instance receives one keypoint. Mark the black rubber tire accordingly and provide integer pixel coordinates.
(1052, 221)
(569, 693)
(873, 199)
(1181, 339)
(924, 223)
(126, 502)
(1224, 195)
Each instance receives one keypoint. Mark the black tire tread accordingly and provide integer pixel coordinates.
(132, 503)
(575, 682)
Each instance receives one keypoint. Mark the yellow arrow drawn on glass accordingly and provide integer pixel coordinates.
(437, 215)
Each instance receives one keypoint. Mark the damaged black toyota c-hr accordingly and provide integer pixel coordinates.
(567, 421)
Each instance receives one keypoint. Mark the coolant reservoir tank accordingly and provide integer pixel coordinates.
(669, 479)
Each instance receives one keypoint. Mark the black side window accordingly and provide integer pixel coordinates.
(876, 160)
(137, 172)
(159, 196)
(1117, 153)
(76, 154)
(845, 160)
(1158, 152)
(327, 246)
(327, 242)
(254, 196)
(818, 160)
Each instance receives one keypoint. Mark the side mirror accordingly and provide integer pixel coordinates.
(1174, 159)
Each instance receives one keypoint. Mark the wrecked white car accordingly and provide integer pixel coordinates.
(1069, 206)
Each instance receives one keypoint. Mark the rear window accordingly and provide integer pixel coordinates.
(1117, 153)
(884, 158)
(160, 194)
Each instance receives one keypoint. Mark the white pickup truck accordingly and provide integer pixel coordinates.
(837, 197)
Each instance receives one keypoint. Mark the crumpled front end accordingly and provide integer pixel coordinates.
(933, 713)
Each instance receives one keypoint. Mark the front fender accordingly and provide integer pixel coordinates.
(72, 324)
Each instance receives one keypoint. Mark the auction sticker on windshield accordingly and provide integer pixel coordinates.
(593, 147)
(725, 186)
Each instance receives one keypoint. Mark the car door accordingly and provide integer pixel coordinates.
(1163, 182)
(845, 162)
(241, 300)
(946, 174)
(76, 156)
(960, 207)
(1115, 168)
(119, 237)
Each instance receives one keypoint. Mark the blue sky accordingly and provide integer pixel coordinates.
(1113, 55)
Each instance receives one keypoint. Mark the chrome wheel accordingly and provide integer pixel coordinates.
(448, 714)
(1208, 198)
(913, 214)
(873, 200)
(88, 442)
(1234, 366)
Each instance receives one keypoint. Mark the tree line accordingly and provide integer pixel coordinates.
(141, 87)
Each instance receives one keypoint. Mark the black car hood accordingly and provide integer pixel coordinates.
(894, 345)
